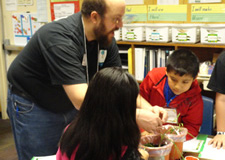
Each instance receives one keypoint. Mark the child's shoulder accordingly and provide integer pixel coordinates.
(160, 70)
(195, 88)
(157, 72)
(155, 75)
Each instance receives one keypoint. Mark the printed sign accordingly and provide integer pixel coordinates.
(136, 13)
(167, 12)
(208, 13)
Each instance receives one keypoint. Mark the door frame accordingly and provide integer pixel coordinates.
(3, 72)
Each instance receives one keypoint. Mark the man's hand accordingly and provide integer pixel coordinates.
(159, 111)
(218, 141)
(148, 120)
(162, 113)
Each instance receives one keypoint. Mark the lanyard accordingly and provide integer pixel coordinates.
(167, 93)
(85, 53)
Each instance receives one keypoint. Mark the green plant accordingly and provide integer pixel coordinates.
(175, 130)
(150, 143)
(172, 130)
(158, 145)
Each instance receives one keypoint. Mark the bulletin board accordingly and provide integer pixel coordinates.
(63, 8)
(187, 11)
(14, 19)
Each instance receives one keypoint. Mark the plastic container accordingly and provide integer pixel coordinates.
(178, 135)
(118, 34)
(186, 33)
(213, 34)
(158, 32)
(133, 32)
(190, 158)
(144, 154)
(156, 152)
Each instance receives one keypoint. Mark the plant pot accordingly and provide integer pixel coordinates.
(176, 151)
(156, 153)
(178, 135)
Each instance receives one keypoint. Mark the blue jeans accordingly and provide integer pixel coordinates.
(36, 131)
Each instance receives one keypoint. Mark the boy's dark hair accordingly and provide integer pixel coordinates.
(183, 61)
(93, 5)
(107, 118)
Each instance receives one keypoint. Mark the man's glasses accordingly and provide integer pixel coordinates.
(117, 20)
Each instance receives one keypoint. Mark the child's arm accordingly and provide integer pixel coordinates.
(219, 140)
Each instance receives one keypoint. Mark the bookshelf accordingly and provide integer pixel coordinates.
(203, 51)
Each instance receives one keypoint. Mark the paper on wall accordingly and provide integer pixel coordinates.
(134, 2)
(24, 27)
(11, 5)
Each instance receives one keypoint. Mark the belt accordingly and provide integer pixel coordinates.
(16, 91)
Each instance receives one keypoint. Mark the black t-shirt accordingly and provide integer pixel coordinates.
(53, 57)
(217, 80)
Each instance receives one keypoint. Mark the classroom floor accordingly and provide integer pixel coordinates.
(7, 145)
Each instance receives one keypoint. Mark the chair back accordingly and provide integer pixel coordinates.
(208, 111)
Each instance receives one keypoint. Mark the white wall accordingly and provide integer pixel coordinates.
(5, 60)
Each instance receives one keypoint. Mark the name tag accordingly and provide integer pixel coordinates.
(84, 61)
(101, 57)
(172, 115)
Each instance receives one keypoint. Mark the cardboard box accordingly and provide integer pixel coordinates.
(158, 32)
(185, 33)
(133, 32)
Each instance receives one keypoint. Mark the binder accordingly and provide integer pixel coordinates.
(139, 63)
(130, 60)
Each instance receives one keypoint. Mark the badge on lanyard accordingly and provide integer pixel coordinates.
(84, 61)
(172, 115)
(101, 57)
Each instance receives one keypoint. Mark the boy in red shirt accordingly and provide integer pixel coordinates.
(175, 88)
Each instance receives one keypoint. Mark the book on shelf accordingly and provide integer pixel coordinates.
(124, 58)
(139, 63)
(130, 59)
(148, 58)
(151, 59)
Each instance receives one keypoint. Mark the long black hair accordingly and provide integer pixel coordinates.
(107, 118)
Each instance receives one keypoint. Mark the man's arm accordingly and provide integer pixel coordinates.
(148, 117)
(219, 140)
(76, 93)
(159, 111)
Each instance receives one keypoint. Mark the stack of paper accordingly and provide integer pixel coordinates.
(200, 145)
(212, 153)
(193, 145)
(53, 157)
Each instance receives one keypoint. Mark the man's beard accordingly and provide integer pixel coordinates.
(101, 36)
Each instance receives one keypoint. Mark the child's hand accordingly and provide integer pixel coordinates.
(218, 141)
